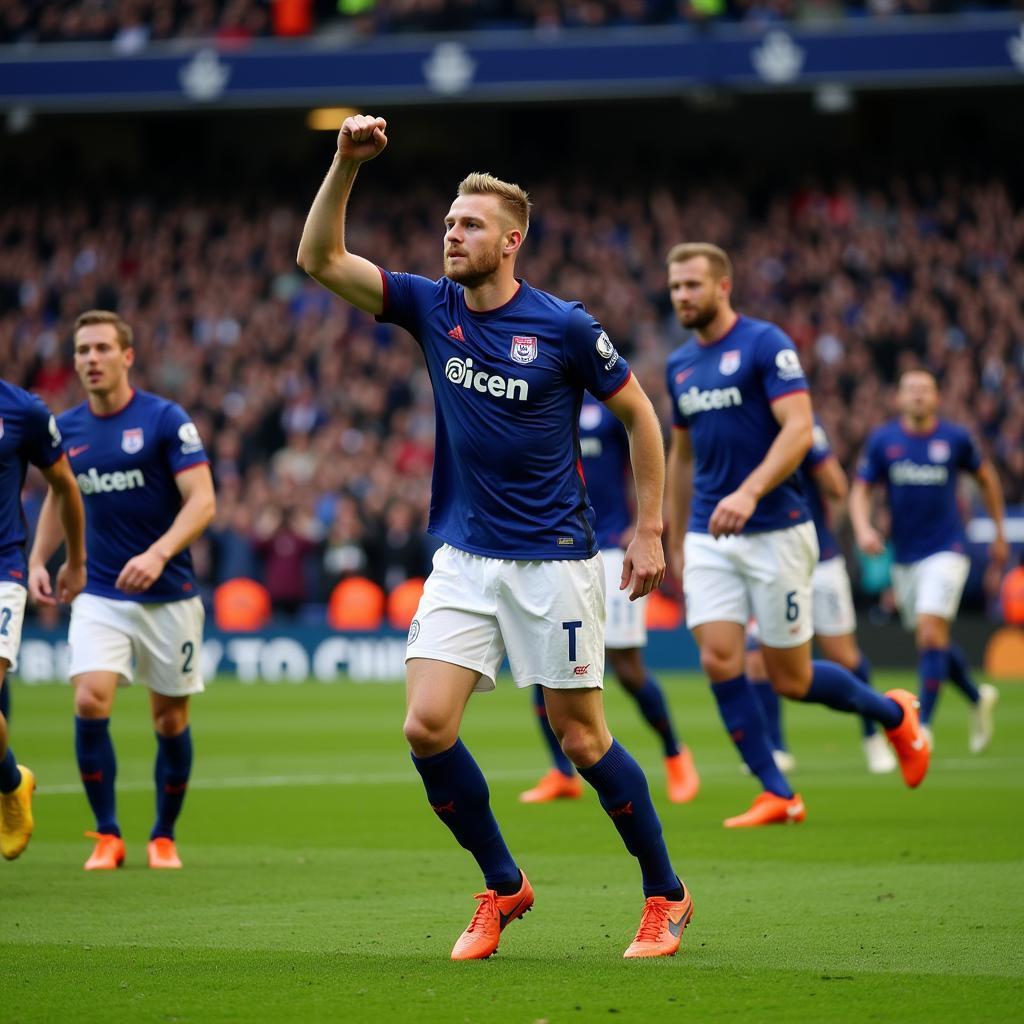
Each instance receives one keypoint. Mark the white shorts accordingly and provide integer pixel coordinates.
(12, 615)
(832, 599)
(767, 575)
(159, 643)
(625, 624)
(548, 615)
(932, 586)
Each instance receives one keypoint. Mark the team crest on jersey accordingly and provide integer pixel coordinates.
(524, 350)
(729, 363)
(131, 440)
(938, 450)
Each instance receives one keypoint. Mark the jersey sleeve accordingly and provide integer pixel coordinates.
(406, 296)
(871, 467)
(181, 440)
(678, 419)
(591, 356)
(970, 454)
(777, 359)
(820, 447)
(43, 445)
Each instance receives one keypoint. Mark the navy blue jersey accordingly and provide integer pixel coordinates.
(508, 385)
(28, 433)
(920, 475)
(820, 451)
(126, 465)
(606, 469)
(722, 393)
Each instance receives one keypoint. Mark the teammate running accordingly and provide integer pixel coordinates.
(28, 433)
(148, 493)
(919, 457)
(519, 569)
(742, 426)
(604, 445)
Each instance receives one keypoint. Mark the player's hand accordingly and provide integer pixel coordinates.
(643, 565)
(999, 551)
(731, 514)
(39, 589)
(362, 137)
(141, 572)
(70, 582)
(870, 542)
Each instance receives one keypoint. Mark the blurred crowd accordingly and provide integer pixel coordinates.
(130, 25)
(319, 421)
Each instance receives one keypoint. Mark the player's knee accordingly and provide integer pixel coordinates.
(720, 665)
(583, 745)
(170, 721)
(792, 687)
(90, 703)
(427, 736)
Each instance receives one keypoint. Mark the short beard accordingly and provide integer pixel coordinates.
(702, 317)
(474, 272)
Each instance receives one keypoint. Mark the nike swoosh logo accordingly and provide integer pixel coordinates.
(514, 912)
(77, 450)
(794, 810)
(919, 743)
(676, 927)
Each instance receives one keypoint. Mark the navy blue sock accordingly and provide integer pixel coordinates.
(10, 776)
(5, 699)
(960, 674)
(98, 768)
(863, 673)
(839, 689)
(458, 794)
(932, 669)
(622, 789)
(744, 722)
(173, 767)
(651, 700)
(771, 708)
(562, 763)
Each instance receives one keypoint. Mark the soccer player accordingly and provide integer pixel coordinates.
(519, 569)
(742, 426)
(832, 612)
(148, 494)
(919, 457)
(604, 445)
(28, 433)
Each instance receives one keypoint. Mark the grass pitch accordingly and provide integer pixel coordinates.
(318, 885)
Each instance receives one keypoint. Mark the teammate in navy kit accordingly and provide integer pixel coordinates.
(148, 492)
(519, 570)
(832, 612)
(742, 426)
(919, 458)
(28, 433)
(604, 446)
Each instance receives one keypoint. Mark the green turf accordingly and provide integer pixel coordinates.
(326, 890)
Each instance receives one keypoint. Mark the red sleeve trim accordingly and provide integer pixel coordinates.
(786, 394)
(612, 394)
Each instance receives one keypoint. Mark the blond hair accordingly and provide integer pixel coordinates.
(718, 259)
(515, 201)
(125, 337)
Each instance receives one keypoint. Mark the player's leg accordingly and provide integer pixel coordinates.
(17, 782)
(771, 706)
(168, 639)
(982, 697)
(561, 782)
(5, 699)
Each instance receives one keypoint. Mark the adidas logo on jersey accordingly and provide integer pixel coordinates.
(460, 372)
(694, 400)
(103, 483)
(913, 473)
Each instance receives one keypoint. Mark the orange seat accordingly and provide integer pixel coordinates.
(663, 612)
(403, 602)
(241, 605)
(1011, 597)
(356, 603)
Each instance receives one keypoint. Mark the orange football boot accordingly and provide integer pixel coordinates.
(107, 854)
(681, 777)
(770, 809)
(162, 853)
(908, 739)
(16, 821)
(554, 786)
(661, 927)
(481, 938)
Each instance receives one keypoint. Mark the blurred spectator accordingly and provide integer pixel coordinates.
(284, 538)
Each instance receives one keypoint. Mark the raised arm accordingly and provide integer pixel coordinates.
(992, 498)
(678, 492)
(196, 513)
(62, 517)
(644, 561)
(322, 253)
(792, 443)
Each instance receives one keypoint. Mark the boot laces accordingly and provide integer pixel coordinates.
(486, 911)
(652, 922)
